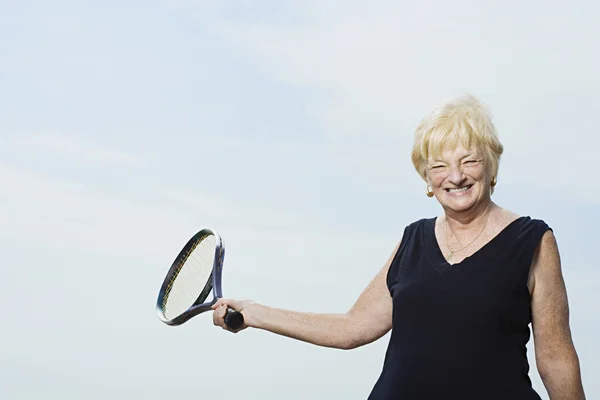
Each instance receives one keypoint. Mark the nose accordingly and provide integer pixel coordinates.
(455, 175)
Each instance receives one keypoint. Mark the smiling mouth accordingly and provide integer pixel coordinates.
(460, 189)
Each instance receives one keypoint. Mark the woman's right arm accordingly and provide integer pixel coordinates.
(367, 320)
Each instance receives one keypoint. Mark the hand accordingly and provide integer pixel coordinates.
(220, 308)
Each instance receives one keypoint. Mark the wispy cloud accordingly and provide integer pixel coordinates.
(73, 147)
(370, 73)
(304, 112)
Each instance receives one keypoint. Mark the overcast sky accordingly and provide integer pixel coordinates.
(126, 126)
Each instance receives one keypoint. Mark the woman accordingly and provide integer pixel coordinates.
(459, 290)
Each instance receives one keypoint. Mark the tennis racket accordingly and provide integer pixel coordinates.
(194, 275)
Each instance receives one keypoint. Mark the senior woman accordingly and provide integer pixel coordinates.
(459, 290)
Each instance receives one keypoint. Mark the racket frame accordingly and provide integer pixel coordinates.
(212, 285)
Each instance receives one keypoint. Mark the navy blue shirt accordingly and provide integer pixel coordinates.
(459, 331)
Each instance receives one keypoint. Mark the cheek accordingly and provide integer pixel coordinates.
(478, 174)
(436, 180)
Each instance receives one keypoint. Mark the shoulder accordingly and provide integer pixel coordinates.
(418, 227)
(546, 249)
(544, 257)
(522, 224)
(532, 228)
(422, 223)
(414, 231)
(526, 233)
(534, 234)
(545, 265)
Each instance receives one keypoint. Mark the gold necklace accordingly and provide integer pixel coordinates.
(451, 253)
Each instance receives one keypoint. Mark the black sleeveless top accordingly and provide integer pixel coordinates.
(460, 331)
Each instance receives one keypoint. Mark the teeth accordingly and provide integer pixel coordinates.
(462, 189)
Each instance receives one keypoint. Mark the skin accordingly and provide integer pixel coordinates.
(556, 357)
(469, 221)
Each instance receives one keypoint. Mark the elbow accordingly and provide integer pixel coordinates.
(348, 340)
(559, 362)
(350, 344)
(350, 336)
(358, 332)
(358, 339)
(545, 371)
(544, 366)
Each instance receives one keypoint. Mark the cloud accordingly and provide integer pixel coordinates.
(382, 61)
(74, 148)
(100, 256)
(67, 215)
(369, 73)
(308, 211)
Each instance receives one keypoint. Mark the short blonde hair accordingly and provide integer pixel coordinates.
(463, 120)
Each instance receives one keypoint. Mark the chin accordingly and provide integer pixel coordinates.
(459, 203)
(460, 207)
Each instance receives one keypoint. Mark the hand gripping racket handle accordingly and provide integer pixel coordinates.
(233, 319)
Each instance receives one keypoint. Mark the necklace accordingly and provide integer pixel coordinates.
(451, 252)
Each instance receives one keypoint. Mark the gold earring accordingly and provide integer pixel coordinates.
(493, 182)
(429, 191)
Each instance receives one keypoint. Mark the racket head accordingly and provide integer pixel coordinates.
(193, 283)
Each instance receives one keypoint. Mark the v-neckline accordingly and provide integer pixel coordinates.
(443, 262)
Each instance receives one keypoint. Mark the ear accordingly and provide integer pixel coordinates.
(426, 177)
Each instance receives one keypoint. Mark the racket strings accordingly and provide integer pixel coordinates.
(187, 284)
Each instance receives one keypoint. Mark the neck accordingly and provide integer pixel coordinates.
(469, 219)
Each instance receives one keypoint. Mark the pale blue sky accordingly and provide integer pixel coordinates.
(126, 126)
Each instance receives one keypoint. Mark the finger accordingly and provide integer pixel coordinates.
(216, 319)
(223, 311)
(222, 301)
(217, 304)
(222, 314)
(219, 315)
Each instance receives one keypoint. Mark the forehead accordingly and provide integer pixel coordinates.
(454, 151)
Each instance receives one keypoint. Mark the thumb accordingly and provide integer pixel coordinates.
(228, 302)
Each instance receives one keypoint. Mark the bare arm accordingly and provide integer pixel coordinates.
(368, 319)
(556, 357)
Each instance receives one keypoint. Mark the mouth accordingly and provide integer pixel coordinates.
(459, 190)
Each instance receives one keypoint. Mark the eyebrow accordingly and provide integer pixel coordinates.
(472, 154)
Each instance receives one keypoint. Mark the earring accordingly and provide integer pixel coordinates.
(429, 191)
(493, 182)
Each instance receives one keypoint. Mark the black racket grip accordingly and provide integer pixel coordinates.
(233, 319)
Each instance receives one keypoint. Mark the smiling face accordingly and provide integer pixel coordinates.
(457, 151)
(460, 178)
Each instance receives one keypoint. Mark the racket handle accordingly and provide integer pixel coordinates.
(233, 319)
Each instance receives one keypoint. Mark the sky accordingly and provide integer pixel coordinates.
(127, 126)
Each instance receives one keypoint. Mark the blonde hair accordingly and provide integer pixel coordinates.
(463, 120)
